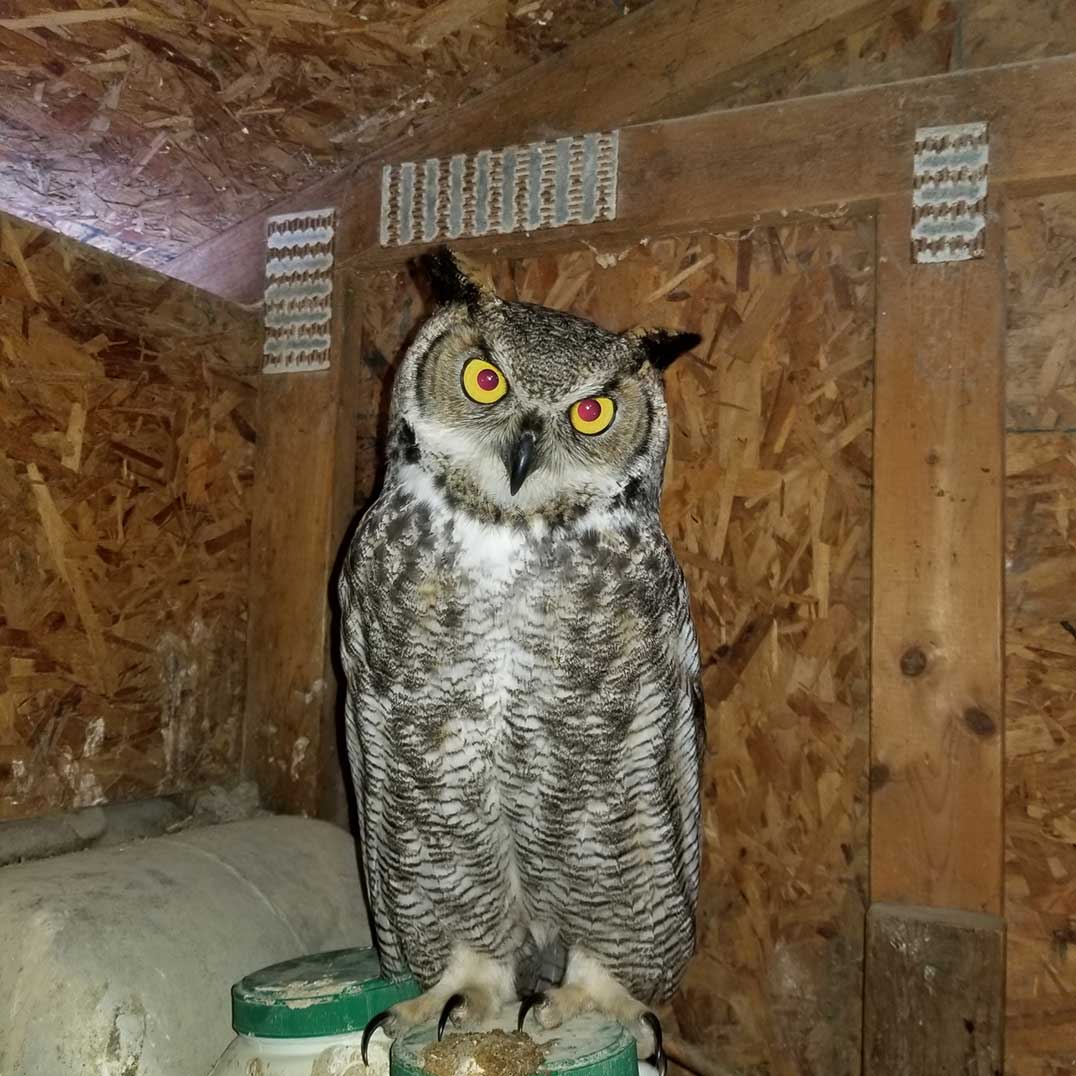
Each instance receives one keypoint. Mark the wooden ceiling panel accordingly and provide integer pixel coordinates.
(148, 127)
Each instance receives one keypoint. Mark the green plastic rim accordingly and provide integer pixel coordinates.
(587, 1045)
(321, 994)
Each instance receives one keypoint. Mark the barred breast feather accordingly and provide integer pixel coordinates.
(524, 726)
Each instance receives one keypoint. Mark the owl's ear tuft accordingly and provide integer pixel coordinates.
(662, 347)
(450, 282)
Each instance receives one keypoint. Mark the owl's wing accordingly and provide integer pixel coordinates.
(364, 571)
(690, 723)
(664, 760)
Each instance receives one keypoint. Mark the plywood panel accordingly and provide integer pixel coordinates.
(768, 505)
(146, 130)
(1040, 674)
(1040, 794)
(1041, 342)
(126, 447)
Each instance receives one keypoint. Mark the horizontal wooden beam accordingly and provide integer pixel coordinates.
(669, 59)
(833, 153)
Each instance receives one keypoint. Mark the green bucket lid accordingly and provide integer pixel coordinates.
(322, 994)
(586, 1045)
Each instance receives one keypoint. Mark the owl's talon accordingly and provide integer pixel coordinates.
(657, 1058)
(450, 1006)
(371, 1026)
(525, 1007)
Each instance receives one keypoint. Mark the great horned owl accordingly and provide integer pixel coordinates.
(524, 720)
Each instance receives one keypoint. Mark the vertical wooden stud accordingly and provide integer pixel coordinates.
(936, 667)
(936, 677)
(933, 1006)
(305, 470)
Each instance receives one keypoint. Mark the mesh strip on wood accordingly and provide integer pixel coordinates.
(298, 291)
(492, 192)
(949, 193)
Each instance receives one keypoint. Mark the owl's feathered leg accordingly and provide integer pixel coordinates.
(472, 988)
(589, 987)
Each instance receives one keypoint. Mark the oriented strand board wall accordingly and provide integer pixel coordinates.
(144, 136)
(1041, 638)
(768, 505)
(126, 450)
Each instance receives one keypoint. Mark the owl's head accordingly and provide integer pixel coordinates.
(514, 410)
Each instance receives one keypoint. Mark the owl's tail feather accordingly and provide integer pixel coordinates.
(540, 964)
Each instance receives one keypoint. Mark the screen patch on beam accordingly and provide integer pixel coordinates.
(298, 291)
(949, 193)
(493, 192)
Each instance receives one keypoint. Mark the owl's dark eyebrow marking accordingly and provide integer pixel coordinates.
(411, 452)
(629, 495)
(420, 373)
(644, 441)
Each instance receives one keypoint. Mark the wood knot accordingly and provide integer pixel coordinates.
(879, 775)
(932, 457)
(980, 722)
(913, 661)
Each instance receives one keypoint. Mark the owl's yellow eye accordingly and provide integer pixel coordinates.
(482, 381)
(593, 414)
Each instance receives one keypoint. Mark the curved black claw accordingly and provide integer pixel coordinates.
(450, 1006)
(525, 1007)
(371, 1026)
(657, 1058)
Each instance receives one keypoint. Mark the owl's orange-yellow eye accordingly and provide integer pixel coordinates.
(592, 415)
(482, 381)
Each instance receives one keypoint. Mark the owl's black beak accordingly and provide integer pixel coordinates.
(521, 460)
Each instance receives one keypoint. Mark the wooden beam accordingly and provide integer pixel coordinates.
(668, 59)
(931, 1004)
(834, 153)
(839, 152)
(305, 467)
(937, 591)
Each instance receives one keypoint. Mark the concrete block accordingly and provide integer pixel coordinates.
(118, 961)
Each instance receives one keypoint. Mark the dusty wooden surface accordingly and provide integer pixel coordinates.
(1040, 650)
(932, 1006)
(126, 451)
(936, 612)
(768, 505)
(303, 503)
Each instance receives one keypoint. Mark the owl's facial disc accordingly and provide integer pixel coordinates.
(527, 412)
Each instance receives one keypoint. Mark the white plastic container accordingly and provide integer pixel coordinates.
(305, 1017)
